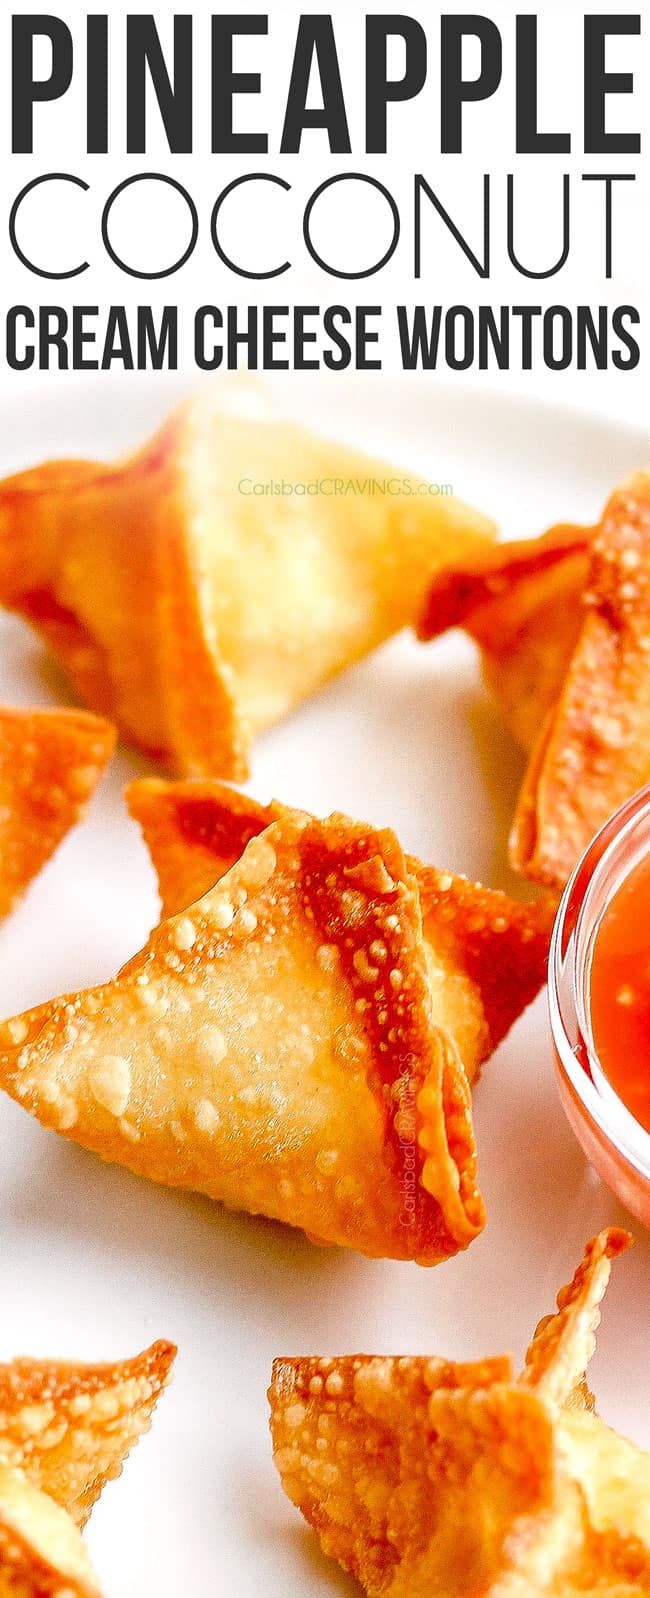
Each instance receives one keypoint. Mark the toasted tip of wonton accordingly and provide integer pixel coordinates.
(69, 1427)
(557, 1359)
(50, 764)
(195, 831)
(593, 750)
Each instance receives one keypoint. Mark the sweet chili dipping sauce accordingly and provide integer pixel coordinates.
(620, 992)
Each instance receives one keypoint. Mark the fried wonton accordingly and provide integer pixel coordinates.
(193, 604)
(50, 763)
(65, 1430)
(564, 626)
(430, 1479)
(299, 1042)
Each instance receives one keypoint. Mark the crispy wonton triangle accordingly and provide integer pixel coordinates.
(564, 626)
(293, 1043)
(428, 1479)
(487, 954)
(70, 1427)
(50, 762)
(65, 1430)
(195, 609)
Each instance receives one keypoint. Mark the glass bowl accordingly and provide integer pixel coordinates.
(612, 1139)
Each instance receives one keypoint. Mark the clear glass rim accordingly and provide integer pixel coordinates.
(608, 860)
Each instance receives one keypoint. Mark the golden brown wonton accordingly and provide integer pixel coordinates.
(299, 1042)
(430, 1479)
(564, 626)
(65, 1430)
(50, 762)
(194, 610)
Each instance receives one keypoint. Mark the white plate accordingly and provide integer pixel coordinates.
(96, 1263)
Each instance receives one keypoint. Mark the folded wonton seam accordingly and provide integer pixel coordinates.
(430, 1479)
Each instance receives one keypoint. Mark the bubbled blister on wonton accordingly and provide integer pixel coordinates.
(65, 1430)
(426, 1478)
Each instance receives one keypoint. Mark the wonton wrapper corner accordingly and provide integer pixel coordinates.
(50, 764)
(427, 1477)
(298, 1042)
(65, 1430)
(195, 614)
(563, 623)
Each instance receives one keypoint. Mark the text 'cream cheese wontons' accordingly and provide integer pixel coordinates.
(430, 1479)
(65, 1430)
(193, 605)
(300, 1041)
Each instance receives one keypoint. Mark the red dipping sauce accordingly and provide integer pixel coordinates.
(620, 992)
(599, 1003)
